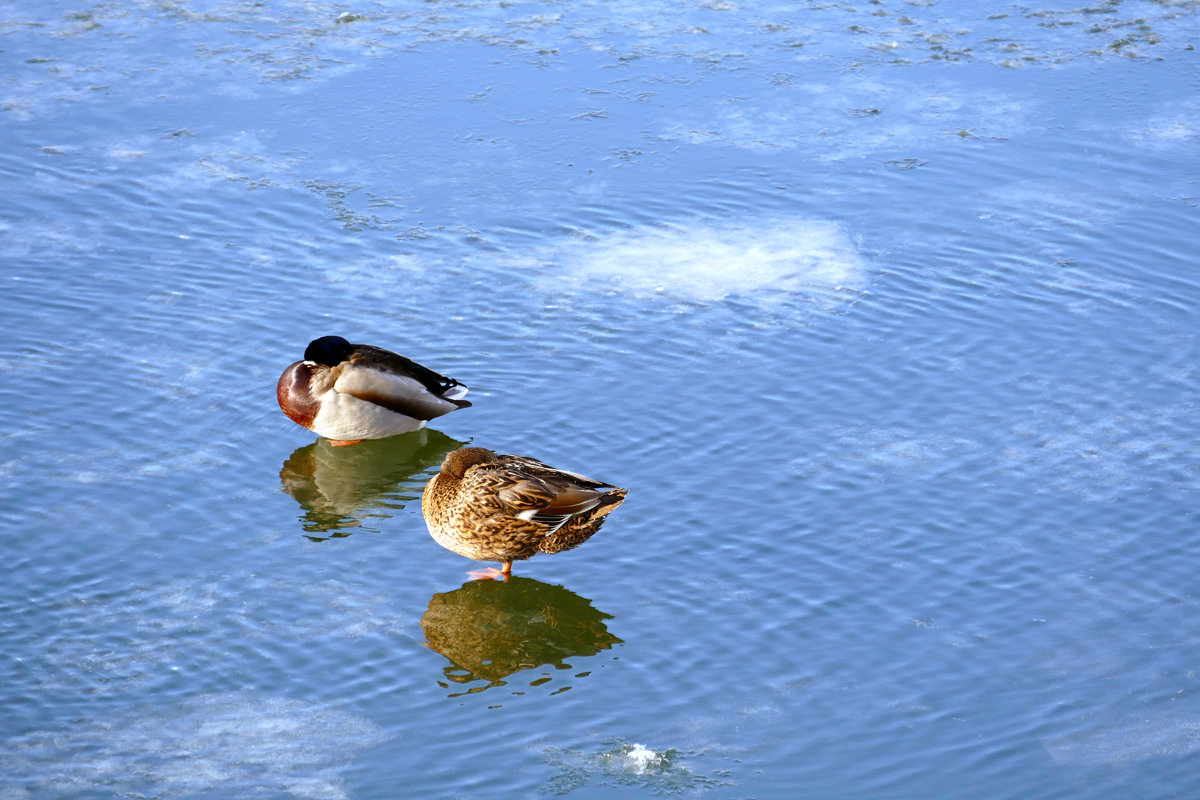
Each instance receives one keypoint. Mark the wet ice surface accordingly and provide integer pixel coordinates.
(884, 313)
(237, 744)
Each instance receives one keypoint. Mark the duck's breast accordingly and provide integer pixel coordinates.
(295, 393)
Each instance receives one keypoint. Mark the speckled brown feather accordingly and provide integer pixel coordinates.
(471, 506)
(580, 528)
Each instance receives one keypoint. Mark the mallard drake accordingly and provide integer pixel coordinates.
(493, 507)
(351, 392)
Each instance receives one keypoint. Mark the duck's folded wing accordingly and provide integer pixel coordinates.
(559, 480)
(550, 505)
(525, 495)
(573, 500)
(381, 360)
(393, 391)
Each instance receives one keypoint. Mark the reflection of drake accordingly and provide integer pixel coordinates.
(491, 629)
(340, 486)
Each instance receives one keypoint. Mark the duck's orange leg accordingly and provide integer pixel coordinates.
(341, 443)
(502, 574)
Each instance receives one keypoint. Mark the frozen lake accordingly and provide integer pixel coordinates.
(884, 312)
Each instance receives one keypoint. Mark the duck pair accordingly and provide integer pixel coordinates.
(481, 504)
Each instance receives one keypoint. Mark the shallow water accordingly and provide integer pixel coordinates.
(883, 312)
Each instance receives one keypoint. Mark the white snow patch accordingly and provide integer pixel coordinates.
(708, 262)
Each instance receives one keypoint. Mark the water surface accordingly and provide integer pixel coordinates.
(883, 312)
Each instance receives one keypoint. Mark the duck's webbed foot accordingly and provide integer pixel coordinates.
(491, 573)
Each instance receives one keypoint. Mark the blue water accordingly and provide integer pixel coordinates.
(884, 313)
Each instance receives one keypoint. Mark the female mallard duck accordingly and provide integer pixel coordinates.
(350, 392)
(493, 507)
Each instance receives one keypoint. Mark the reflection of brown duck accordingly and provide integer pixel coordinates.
(491, 629)
(340, 487)
(493, 507)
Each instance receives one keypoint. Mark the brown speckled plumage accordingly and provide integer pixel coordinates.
(475, 506)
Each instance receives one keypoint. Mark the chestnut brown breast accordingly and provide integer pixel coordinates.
(294, 393)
